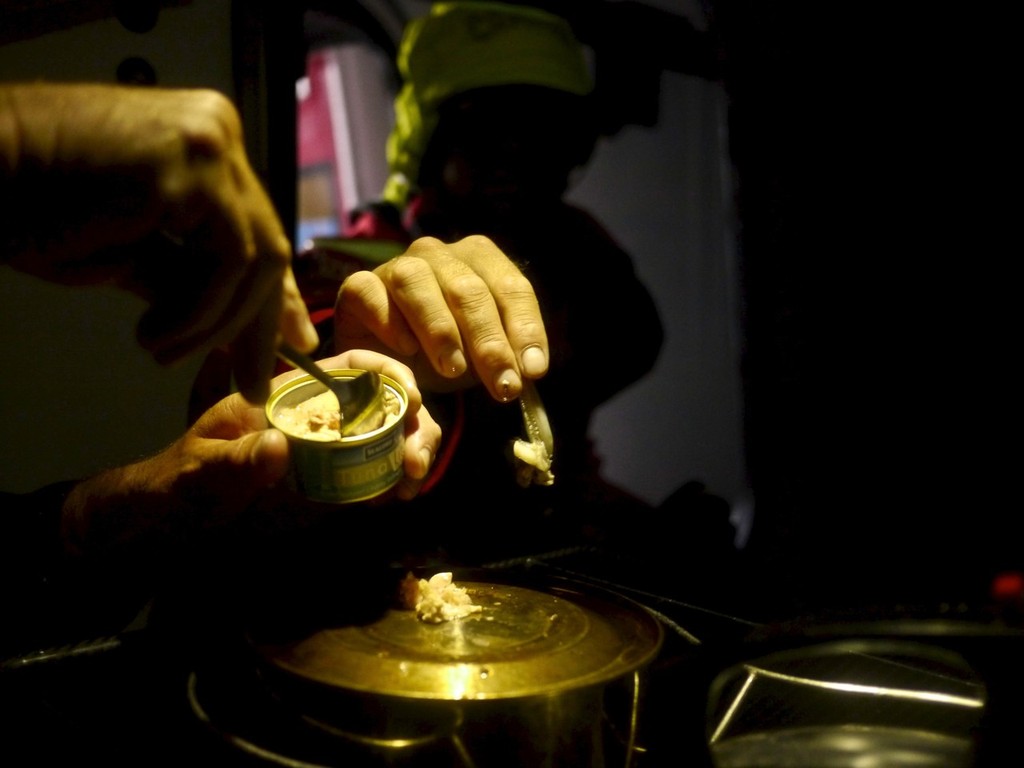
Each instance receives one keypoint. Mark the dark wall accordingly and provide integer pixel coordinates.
(874, 370)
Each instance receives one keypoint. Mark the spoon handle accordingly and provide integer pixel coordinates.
(291, 355)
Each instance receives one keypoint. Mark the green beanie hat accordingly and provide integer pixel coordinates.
(460, 46)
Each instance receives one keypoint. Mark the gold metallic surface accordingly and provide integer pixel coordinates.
(525, 642)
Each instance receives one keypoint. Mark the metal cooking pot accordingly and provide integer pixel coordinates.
(549, 673)
(910, 692)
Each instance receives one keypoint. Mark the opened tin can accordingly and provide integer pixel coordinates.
(351, 468)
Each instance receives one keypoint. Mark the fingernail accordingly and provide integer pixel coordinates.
(534, 362)
(427, 458)
(454, 364)
(509, 386)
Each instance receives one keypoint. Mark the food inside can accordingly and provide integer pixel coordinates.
(319, 417)
(327, 466)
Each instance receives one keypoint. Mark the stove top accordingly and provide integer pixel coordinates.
(140, 699)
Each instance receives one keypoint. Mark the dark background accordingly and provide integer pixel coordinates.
(877, 371)
(872, 183)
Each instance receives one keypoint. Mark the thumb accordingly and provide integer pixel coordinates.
(237, 470)
(264, 455)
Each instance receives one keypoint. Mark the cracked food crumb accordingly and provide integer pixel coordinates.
(436, 599)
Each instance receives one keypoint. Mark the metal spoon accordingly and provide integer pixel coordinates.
(535, 454)
(360, 399)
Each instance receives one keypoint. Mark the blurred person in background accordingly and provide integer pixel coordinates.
(494, 116)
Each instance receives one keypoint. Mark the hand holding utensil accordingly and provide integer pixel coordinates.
(360, 399)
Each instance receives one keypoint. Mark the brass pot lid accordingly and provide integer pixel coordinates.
(525, 642)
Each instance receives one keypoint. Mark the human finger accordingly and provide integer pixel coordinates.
(238, 256)
(516, 300)
(416, 289)
(213, 205)
(282, 315)
(422, 444)
(250, 301)
(237, 470)
(365, 317)
(468, 301)
(233, 441)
